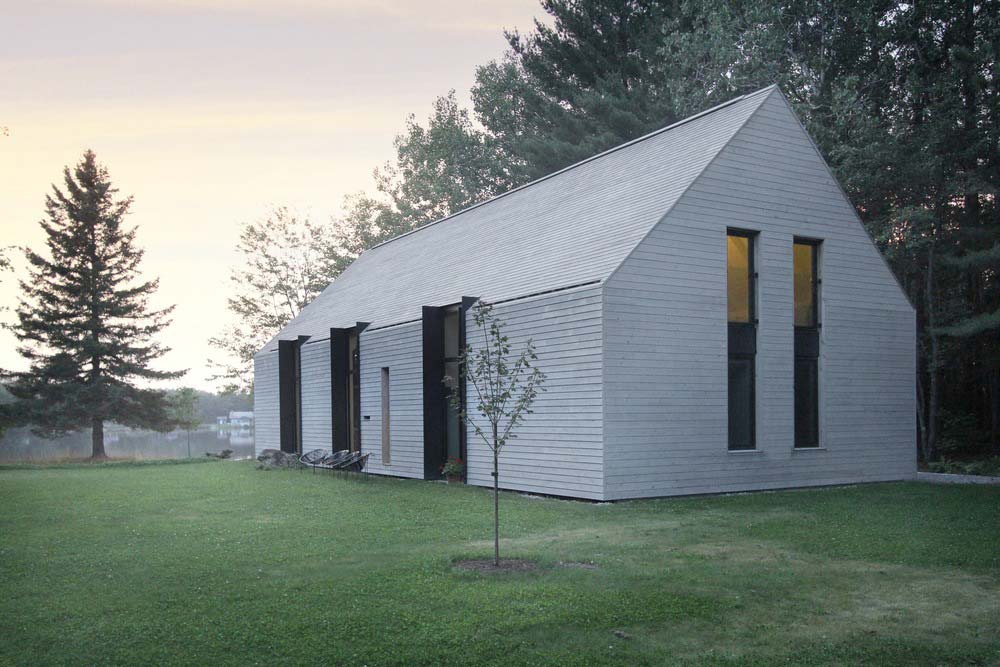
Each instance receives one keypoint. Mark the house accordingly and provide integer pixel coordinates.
(709, 310)
(236, 419)
(240, 419)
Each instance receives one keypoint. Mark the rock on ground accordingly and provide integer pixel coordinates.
(275, 458)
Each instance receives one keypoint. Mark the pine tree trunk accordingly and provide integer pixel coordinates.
(97, 439)
(921, 418)
(995, 412)
(934, 390)
(496, 500)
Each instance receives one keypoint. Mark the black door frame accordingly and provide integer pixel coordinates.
(435, 424)
(340, 372)
(290, 394)
(435, 393)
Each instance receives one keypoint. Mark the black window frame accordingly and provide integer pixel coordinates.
(806, 358)
(742, 343)
(345, 387)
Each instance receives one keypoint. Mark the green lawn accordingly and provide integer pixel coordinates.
(223, 564)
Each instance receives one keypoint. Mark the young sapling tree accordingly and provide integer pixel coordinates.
(505, 387)
(185, 412)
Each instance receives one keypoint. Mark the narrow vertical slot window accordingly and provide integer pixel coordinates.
(742, 335)
(353, 390)
(452, 350)
(805, 260)
(289, 396)
(386, 425)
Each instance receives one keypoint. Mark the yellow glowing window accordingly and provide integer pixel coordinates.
(804, 264)
(740, 277)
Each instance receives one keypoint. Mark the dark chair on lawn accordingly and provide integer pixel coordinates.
(333, 461)
(355, 462)
(313, 456)
(343, 460)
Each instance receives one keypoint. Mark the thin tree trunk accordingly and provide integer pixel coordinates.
(921, 420)
(97, 398)
(934, 390)
(994, 389)
(97, 439)
(496, 500)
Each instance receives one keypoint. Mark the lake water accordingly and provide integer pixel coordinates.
(22, 445)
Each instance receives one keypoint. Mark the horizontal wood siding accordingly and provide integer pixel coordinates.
(558, 449)
(265, 402)
(317, 413)
(666, 349)
(399, 349)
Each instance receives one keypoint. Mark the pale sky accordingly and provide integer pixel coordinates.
(211, 111)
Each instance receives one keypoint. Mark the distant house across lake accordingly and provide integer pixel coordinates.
(236, 419)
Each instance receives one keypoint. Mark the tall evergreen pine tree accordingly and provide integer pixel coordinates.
(84, 322)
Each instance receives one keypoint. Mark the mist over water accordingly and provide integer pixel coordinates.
(22, 445)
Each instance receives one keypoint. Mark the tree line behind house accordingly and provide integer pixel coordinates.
(902, 98)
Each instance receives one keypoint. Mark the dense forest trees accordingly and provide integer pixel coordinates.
(903, 99)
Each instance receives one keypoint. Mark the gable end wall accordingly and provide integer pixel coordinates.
(666, 347)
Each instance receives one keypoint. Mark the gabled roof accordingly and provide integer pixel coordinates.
(571, 227)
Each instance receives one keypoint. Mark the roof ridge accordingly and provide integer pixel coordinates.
(613, 149)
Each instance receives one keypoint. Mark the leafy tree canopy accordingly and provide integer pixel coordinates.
(286, 261)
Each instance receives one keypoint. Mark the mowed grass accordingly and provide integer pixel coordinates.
(226, 565)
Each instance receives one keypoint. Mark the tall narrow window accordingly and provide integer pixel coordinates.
(443, 330)
(741, 287)
(354, 389)
(386, 427)
(452, 350)
(805, 261)
(289, 395)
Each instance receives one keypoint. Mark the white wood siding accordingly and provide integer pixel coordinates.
(265, 402)
(317, 411)
(400, 349)
(666, 348)
(558, 449)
